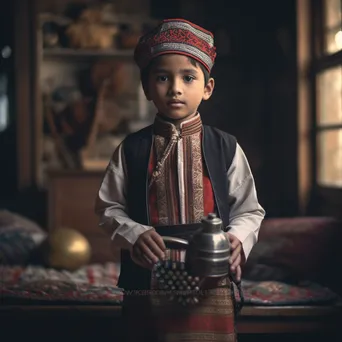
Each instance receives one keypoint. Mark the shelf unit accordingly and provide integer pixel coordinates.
(52, 53)
(61, 65)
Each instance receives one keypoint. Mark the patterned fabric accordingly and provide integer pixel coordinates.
(211, 318)
(10, 274)
(176, 36)
(271, 293)
(58, 291)
(22, 282)
(178, 180)
(94, 274)
(90, 284)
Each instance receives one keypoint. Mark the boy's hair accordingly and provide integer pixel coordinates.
(144, 73)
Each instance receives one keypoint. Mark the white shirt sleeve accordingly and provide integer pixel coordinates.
(246, 214)
(110, 203)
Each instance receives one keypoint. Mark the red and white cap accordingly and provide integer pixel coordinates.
(177, 36)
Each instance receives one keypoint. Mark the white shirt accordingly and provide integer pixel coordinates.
(246, 214)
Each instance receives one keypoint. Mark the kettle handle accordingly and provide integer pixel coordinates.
(171, 239)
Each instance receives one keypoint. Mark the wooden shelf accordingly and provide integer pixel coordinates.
(117, 19)
(86, 53)
(58, 66)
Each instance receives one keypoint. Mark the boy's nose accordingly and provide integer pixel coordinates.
(175, 88)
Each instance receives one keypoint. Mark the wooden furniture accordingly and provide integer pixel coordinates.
(71, 203)
(304, 319)
(94, 91)
(303, 324)
(71, 197)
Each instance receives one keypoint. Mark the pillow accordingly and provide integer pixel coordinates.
(15, 247)
(19, 238)
(295, 249)
(15, 221)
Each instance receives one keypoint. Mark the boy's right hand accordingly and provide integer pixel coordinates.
(148, 249)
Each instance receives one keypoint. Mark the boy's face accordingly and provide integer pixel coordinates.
(177, 87)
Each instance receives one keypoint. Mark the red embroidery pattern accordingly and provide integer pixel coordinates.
(190, 41)
(183, 37)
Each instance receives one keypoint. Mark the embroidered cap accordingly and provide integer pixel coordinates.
(176, 36)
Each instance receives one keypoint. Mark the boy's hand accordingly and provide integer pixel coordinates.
(148, 249)
(237, 256)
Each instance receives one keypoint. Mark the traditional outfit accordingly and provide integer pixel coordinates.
(169, 178)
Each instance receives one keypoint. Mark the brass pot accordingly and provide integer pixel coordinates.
(67, 249)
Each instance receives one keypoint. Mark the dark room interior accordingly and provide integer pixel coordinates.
(69, 94)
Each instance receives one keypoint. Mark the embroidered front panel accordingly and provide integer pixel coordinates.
(193, 178)
(166, 184)
(176, 176)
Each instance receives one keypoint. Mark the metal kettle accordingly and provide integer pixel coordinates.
(208, 250)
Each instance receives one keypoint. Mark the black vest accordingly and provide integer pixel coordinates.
(218, 152)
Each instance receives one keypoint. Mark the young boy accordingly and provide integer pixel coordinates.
(172, 174)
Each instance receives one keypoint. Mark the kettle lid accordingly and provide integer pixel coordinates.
(212, 222)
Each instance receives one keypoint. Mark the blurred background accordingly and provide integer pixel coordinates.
(70, 92)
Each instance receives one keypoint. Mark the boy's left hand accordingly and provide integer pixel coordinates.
(237, 256)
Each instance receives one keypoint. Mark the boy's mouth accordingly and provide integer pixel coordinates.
(175, 103)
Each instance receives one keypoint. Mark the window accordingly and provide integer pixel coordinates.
(332, 26)
(328, 94)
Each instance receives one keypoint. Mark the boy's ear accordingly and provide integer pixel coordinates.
(209, 88)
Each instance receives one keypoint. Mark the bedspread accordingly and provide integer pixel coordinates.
(95, 284)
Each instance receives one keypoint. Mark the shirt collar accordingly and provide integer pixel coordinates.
(186, 128)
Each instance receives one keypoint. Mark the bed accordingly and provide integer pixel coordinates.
(40, 301)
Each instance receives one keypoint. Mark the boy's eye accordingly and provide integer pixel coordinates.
(188, 78)
(162, 78)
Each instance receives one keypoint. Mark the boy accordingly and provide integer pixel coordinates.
(172, 174)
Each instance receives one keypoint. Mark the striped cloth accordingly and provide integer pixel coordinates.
(211, 319)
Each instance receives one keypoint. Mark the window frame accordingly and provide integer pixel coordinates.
(321, 61)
